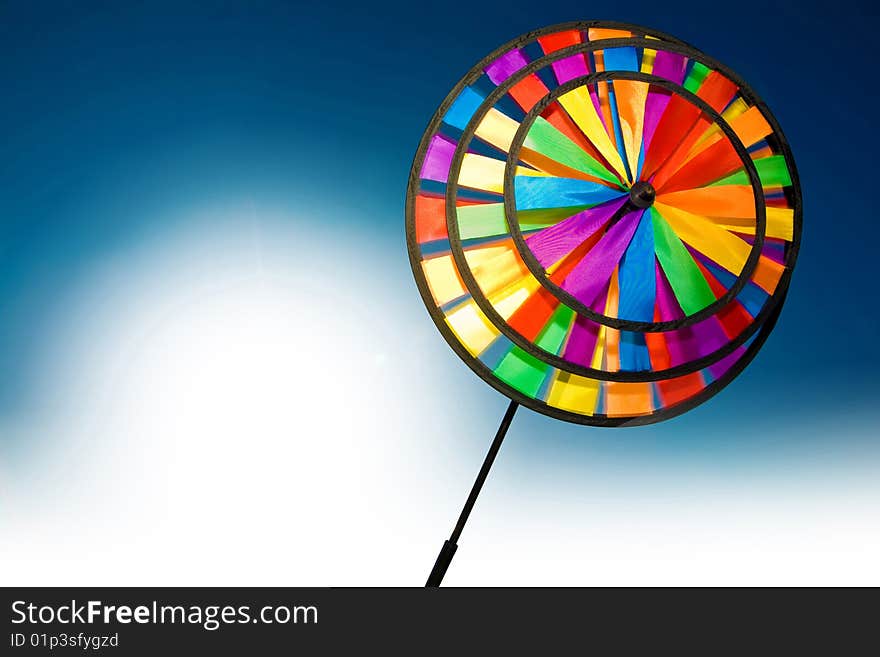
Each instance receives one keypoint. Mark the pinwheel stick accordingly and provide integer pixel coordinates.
(450, 546)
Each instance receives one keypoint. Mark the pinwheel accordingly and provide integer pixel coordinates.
(602, 222)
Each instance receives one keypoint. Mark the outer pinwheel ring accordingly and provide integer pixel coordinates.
(602, 222)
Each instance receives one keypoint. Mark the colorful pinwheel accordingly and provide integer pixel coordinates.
(603, 222)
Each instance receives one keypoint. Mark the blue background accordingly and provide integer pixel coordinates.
(114, 114)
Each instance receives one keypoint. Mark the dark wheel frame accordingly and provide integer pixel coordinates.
(766, 319)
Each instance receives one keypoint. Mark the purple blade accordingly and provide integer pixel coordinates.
(691, 342)
(570, 68)
(438, 159)
(720, 368)
(505, 66)
(557, 241)
(672, 67)
(592, 273)
(583, 337)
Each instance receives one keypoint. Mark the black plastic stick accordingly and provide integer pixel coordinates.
(450, 546)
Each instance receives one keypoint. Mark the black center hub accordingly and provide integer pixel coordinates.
(642, 195)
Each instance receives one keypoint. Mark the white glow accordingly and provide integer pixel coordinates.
(227, 415)
(226, 407)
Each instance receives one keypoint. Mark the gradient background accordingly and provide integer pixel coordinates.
(215, 367)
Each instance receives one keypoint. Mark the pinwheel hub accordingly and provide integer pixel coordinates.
(642, 195)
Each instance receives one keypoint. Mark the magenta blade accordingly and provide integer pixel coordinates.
(592, 273)
(438, 159)
(557, 241)
(505, 66)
